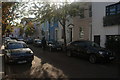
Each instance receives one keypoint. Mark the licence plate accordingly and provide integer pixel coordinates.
(111, 58)
(22, 61)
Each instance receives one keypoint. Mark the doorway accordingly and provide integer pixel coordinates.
(97, 39)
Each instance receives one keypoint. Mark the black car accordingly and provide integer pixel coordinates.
(18, 52)
(54, 45)
(90, 50)
(37, 42)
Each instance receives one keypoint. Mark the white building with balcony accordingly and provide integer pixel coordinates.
(105, 21)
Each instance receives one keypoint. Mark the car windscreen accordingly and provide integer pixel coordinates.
(16, 45)
(37, 40)
(92, 44)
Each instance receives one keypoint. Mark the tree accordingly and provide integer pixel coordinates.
(21, 29)
(7, 14)
(51, 11)
(29, 31)
(46, 11)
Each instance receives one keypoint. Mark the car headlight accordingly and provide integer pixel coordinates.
(31, 52)
(100, 52)
(50, 45)
(8, 54)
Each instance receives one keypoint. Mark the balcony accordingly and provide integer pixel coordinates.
(111, 20)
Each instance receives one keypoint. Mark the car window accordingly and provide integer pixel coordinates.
(82, 44)
(16, 45)
(92, 44)
(25, 46)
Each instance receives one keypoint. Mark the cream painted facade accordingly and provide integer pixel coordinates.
(82, 26)
(98, 12)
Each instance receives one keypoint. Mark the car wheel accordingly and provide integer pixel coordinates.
(92, 58)
(69, 53)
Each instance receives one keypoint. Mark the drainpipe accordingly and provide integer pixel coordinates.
(90, 32)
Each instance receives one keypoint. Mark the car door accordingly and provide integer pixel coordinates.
(75, 48)
(82, 49)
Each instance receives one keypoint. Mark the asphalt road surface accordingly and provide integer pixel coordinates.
(70, 67)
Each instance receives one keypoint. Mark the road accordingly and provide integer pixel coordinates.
(57, 63)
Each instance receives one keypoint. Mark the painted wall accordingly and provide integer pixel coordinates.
(84, 23)
(53, 26)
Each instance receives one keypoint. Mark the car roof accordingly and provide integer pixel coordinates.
(7, 37)
(10, 40)
(36, 39)
(82, 41)
(17, 42)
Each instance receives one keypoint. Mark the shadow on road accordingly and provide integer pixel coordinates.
(38, 69)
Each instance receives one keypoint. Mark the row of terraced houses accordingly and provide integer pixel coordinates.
(98, 22)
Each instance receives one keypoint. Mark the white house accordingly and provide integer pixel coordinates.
(103, 25)
(78, 27)
(68, 29)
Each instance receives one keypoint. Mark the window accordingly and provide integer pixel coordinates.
(81, 33)
(113, 9)
(113, 37)
(82, 44)
(107, 11)
(118, 8)
(90, 11)
(82, 13)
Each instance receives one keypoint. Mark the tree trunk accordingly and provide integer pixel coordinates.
(49, 29)
(64, 33)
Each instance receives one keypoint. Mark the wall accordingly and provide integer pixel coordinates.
(84, 23)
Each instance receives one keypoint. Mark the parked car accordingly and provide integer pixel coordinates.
(29, 40)
(20, 39)
(37, 42)
(6, 39)
(90, 50)
(18, 52)
(13, 38)
(9, 40)
(54, 45)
